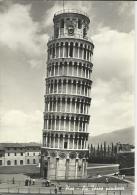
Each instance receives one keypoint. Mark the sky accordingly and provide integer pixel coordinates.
(25, 27)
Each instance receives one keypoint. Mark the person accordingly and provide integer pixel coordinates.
(29, 181)
(33, 181)
(26, 182)
(60, 188)
(56, 190)
(106, 180)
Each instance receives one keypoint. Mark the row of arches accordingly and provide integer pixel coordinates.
(70, 50)
(66, 124)
(78, 154)
(70, 106)
(69, 69)
(70, 62)
(68, 86)
(61, 141)
(66, 98)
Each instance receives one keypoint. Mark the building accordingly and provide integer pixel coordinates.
(67, 98)
(14, 154)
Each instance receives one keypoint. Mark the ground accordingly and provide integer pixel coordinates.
(105, 185)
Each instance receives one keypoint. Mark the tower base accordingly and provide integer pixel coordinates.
(63, 165)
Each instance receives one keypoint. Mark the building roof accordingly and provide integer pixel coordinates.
(19, 145)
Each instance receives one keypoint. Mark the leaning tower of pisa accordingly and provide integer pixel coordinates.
(67, 97)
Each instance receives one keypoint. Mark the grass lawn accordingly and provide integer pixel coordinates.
(26, 169)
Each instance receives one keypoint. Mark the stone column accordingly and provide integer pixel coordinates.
(81, 142)
(69, 122)
(50, 141)
(47, 124)
(82, 124)
(56, 171)
(77, 142)
(70, 105)
(67, 168)
(48, 174)
(64, 122)
(68, 141)
(68, 49)
(78, 51)
(59, 51)
(57, 86)
(83, 167)
(73, 142)
(82, 53)
(58, 68)
(46, 140)
(58, 140)
(67, 68)
(54, 141)
(54, 70)
(85, 72)
(55, 124)
(63, 48)
(71, 87)
(74, 124)
(79, 107)
(76, 169)
(63, 141)
(65, 105)
(76, 87)
(43, 140)
(75, 106)
(78, 124)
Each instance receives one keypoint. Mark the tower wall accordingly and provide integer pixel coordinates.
(67, 98)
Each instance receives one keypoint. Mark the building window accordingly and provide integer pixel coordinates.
(15, 162)
(34, 154)
(28, 161)
(21, 162)
(28, 154)
(15, 154)
(65, 144)
(21, 153)
(34, 161)
(79, 24)
(8, 162)
(0, 162)
(71, 50)
(57, 32)
(8, 154)
(62, 23)
(84, 32)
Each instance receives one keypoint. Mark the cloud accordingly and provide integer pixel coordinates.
(21, 34)
(23, 41)
(17, 125)
(112, 104)
(114, 56)
(17, 29)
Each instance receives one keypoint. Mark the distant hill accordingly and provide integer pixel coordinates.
(125, 136)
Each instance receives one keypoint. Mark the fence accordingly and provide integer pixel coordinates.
(46, 191)
(68, 188)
